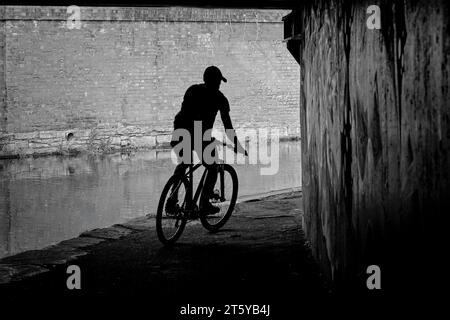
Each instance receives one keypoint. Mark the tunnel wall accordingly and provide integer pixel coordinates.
(375, 107)
(2, 77)
(119, 80)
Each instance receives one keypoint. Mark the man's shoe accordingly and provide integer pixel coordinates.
(208, 209)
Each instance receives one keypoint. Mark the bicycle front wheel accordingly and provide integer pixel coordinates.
(226, 191)
(171, 217)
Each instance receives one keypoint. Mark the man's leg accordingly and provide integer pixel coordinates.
(210, 182)
(172, 200)
(180, 169)
(208, 187)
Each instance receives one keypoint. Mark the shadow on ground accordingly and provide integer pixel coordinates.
(260, 257)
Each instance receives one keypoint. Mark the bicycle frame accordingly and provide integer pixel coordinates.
(190, 175)
(185, 208)
(192, 199)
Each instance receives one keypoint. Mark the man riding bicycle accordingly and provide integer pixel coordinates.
(201, 103)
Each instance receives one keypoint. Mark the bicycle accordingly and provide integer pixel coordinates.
(170, 226)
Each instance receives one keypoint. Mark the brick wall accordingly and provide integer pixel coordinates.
(119, 80)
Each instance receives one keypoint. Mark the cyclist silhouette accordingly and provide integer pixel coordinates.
(201, 103)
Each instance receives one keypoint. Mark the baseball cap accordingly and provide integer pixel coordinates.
(212, 72)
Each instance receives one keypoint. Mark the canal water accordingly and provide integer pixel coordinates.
(46, 200)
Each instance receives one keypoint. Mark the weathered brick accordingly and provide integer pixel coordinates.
(163, 139)
(125, 71)
(26, 135)
(21, 145)
(80, 134)
(47, 150)
(146, 141)
(47, 134)
(9, 148)
(115, 141)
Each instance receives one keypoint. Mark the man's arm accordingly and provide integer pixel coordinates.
(229, 130)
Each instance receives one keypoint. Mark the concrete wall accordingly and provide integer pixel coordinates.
(2, 76)
(118, 81)
(375, 112)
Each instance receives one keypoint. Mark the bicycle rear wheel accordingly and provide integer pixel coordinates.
(226, 190)
(170, 225)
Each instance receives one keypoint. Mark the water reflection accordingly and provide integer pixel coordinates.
(47, 200)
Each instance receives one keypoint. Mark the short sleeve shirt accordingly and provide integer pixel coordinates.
(200, 104)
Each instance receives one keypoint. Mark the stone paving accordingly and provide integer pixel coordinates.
(259, 255)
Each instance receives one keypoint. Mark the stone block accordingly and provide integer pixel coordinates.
(16, 272)
(115, 141)
(26, 135)
(21, 145)
(38, 145)
(54, 255)
(145, 141)
(47, 134)
(112, 233)
(124, 142)
(47, 150)
(9, 147)
(62, 134)
(81, 133)
(163, 139)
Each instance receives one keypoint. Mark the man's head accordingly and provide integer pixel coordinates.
(213, 77)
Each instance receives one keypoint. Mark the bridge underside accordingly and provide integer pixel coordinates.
(256, 4)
